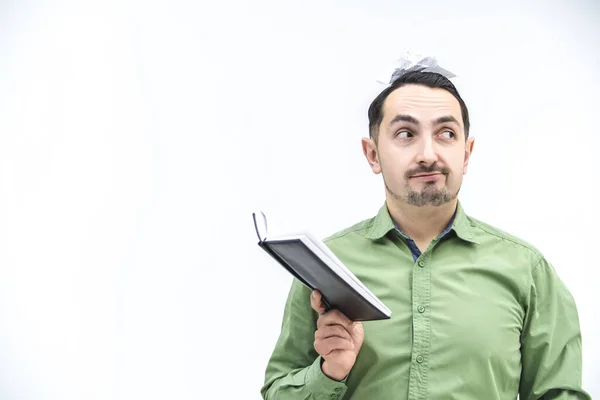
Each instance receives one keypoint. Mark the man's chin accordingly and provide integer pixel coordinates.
(432, 197)
(428, 187)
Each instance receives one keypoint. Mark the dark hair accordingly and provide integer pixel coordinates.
(417, 77)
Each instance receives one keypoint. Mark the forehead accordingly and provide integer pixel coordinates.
(422, 102)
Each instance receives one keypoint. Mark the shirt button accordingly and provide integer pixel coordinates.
(421, 309)
(421, 263)
(337, 390)
(420, 359)
(334, 396)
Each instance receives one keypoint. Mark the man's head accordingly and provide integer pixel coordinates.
(419, 139)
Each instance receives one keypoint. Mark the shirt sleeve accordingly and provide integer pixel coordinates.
(551, 340)
(294, 368)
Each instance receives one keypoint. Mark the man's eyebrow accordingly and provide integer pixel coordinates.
(412, 120)
(405, 118)
(446, 119)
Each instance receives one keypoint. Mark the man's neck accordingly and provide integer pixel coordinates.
(422, 224)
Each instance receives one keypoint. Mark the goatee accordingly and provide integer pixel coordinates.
(429, 196)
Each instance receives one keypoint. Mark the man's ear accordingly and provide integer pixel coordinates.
(468, 151)
(369, 147)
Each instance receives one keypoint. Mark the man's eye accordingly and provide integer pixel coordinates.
(404, 134)
(448, 135)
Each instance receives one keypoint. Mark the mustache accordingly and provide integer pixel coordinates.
(422, 169)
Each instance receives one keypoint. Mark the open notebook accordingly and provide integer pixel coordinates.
(310, 261)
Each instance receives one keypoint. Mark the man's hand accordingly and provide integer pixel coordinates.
(337, 339)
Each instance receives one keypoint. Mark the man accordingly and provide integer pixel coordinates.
(476, 313)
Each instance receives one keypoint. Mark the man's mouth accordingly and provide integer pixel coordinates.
(426, 175)
(430, 176)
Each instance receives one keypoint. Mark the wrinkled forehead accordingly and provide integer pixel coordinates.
(421, 102)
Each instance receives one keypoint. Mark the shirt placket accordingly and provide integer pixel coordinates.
(421, 300)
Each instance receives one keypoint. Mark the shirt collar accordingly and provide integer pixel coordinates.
(383, 223)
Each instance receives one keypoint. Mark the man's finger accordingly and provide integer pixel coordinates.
(316, 302)
(326, 346)
(335, 317)
(332, 331)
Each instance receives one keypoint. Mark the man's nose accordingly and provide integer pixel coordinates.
(427, 152)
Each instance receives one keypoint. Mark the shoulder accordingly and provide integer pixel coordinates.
(356, 231)
(489, 234)
(530, 265)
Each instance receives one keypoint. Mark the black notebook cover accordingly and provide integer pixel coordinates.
(309, 269)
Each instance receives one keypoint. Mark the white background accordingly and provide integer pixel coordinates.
(136, 138)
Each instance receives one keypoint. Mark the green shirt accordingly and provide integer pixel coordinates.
(479, 315)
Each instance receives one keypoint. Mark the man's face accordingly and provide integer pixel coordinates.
(421, 149)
